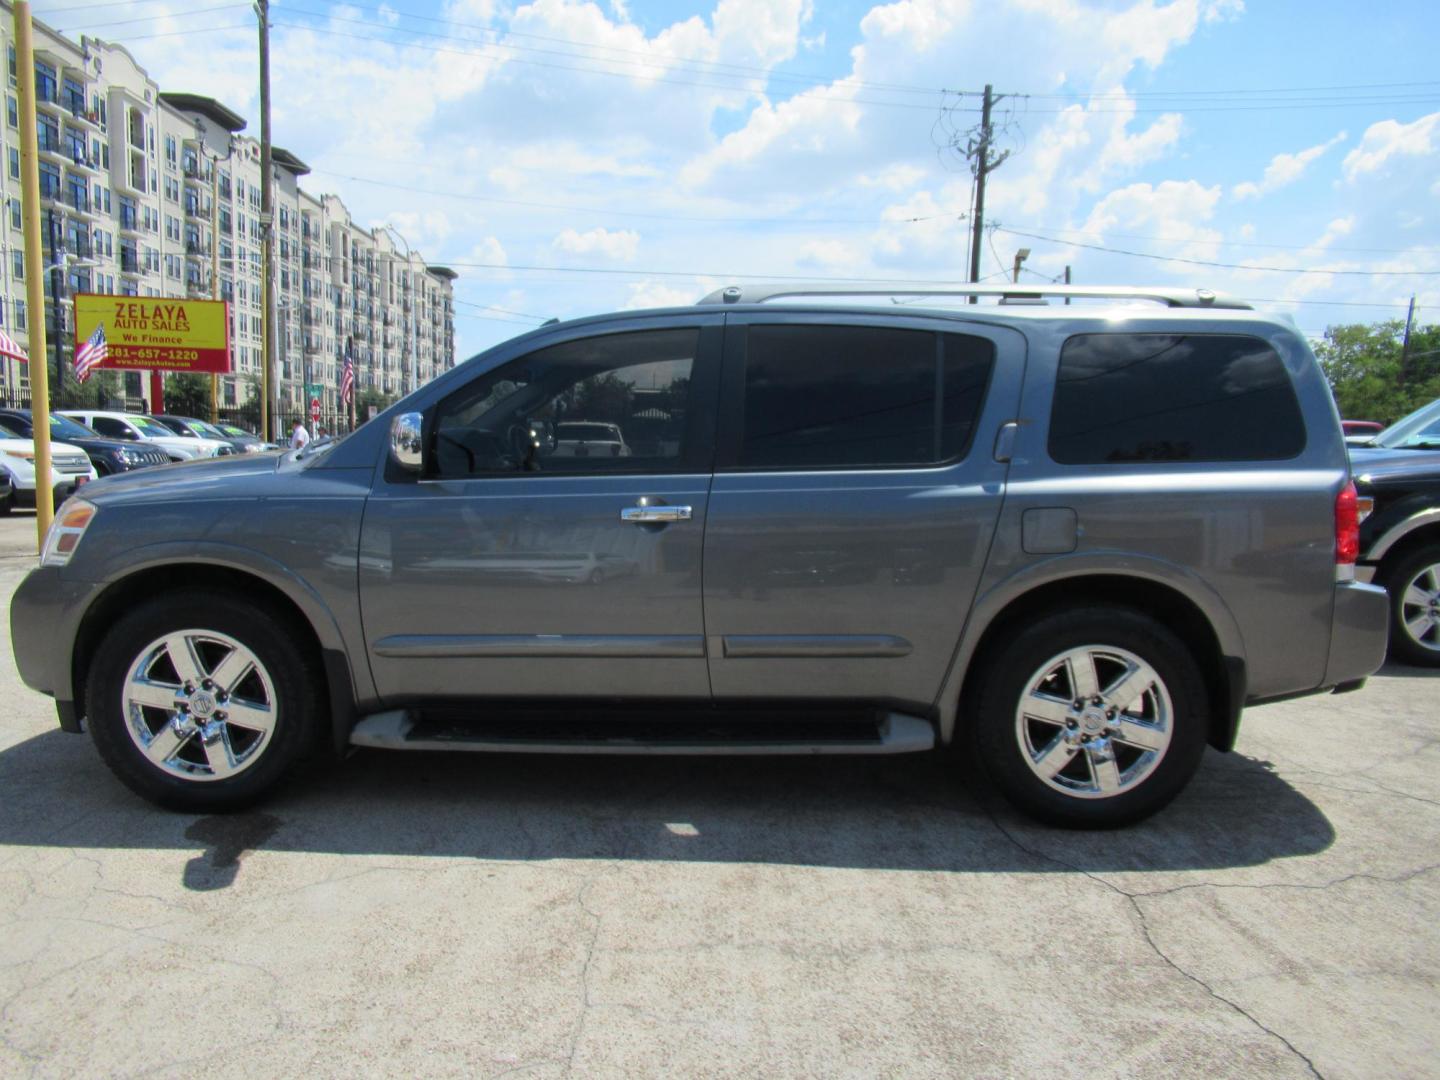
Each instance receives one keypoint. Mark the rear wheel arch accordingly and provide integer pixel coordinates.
(1223, 672)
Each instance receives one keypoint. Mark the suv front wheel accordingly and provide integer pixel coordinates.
(200, 701)
(1094, 717)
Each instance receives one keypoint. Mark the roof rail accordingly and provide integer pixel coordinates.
(1178, 298)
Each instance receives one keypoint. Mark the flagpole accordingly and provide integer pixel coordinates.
(34, 271)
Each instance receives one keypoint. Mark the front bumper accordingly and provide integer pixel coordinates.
(45, 615)
(1359, 633)
(25, 497)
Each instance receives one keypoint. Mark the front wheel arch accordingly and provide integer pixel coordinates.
(338, 695)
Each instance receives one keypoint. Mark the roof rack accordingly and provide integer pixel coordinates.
(1015, 294)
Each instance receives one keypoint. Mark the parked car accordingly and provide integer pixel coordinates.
(106, 455)
(1075, 540)
(69, 469)
(1419, 430)
(588, 438)
(249, 442)
(135, 427)
(189, 427)
(1360, 432)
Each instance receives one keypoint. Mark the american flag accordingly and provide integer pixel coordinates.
(347, 379)
(8, 345)
(91, 354)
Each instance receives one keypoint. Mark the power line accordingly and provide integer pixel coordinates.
(1220, 265)
(624, 213)
(152, 18)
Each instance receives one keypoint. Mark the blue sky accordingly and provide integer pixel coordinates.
(569, 158)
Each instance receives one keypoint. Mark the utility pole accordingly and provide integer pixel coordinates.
(267, 219)
(34, 269)
(57, 275)
(214, 265)
(1067, 281)
(979, 149)
(1405, 345)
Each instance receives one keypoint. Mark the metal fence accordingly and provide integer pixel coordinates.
(245, 416)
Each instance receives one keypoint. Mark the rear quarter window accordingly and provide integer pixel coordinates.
(1123, 398)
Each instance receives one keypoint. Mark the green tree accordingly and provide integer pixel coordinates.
(187, 394)
(1363, 365)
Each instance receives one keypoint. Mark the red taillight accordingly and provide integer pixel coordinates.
(1347, 526)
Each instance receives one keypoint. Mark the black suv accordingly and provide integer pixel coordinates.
(107, 455)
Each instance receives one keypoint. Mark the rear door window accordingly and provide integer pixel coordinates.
(1122, 398)
(859, 397)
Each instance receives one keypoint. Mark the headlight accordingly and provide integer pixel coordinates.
(65, 532)
(129, 457)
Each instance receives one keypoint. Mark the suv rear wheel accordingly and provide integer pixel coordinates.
(1414, 587)
(200, 701)
(1094, 717)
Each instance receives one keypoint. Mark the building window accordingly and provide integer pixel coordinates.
(15, 222)
(14, 163)
(19, 314)
(17, 262)
(12, 111)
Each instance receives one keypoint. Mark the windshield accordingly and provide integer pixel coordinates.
(151, 428)
(62, 427)
(233, 432)
(1418, 431)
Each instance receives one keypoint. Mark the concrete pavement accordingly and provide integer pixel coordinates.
(485, 916)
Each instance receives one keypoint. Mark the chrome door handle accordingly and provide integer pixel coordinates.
(652, 515)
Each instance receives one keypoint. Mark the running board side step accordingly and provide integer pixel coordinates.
(404, 729)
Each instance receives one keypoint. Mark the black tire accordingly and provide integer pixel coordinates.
(294, 683)
(1397, 578)
(7, 504)
(998, 737)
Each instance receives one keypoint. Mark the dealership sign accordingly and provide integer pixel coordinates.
(157, 333)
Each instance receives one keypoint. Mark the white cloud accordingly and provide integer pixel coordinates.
(654, 294)
(1284, 169)
(1388, 140)
(620, 245)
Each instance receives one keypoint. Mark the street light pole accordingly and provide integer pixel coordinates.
(34, 287)
(267, 217)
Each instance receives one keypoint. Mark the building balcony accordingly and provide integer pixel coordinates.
(76, 203)
(53, 150)
(130, 264)
(88, 163)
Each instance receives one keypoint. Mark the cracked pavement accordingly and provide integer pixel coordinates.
(493, 916)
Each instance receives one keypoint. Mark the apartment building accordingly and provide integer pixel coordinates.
(149, 193)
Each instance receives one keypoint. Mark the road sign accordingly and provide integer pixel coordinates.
(314, 410)
(156, 332)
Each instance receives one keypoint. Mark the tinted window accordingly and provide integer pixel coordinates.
(607, 404)
(1163, 397)
(114, 428)
(856, 396)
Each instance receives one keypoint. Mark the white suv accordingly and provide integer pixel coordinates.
(133, 427)
(69, 468)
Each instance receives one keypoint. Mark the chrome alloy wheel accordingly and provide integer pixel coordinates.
(199, 704)
(1420, 608)
(1094, 721)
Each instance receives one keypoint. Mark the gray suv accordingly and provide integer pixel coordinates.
(1074, 540)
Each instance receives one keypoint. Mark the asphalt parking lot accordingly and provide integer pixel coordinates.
(468, 915)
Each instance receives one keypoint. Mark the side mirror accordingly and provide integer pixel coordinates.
(405, 441)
